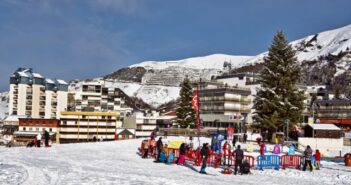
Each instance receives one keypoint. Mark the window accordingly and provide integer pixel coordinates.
(50, 129)
(37, 129)
(64, 122)
(30, 128)
(24, 128)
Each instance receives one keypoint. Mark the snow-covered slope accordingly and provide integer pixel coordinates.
(322, 44)
(3, 104)
(117, 163)
(214, 61)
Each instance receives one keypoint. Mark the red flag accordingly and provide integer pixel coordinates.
(195, 104)
(195, 101)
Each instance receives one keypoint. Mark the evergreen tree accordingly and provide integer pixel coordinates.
(278, 99)
(185, 112)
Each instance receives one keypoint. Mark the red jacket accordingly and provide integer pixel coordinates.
(262, 149)
(318, 156)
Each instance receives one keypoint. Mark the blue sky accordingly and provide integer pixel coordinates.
(72, 39)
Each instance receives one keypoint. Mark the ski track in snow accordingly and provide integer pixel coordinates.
(118, 163)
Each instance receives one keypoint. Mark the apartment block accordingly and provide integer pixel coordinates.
(95, 97)
(34, 96)
(87, 126)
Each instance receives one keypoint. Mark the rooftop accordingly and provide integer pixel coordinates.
(324, 127)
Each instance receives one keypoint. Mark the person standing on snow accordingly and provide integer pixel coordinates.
(308, 154)
(239, 156)
(318, 159)
(205, 153)
(235, 139)
(46, 137)
(262, 149)
(245, 137)
(182, 152)
(38, 139)
(159, 147)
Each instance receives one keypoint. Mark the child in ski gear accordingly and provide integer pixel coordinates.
(317, 156)
(245, 167)
(159, 147)
(307, 154)
(182, 153)
(205, 152)
(38, 139)
(239, 156)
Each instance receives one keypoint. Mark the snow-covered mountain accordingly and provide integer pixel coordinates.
(312, 47)
(215, 61)
(4, 97)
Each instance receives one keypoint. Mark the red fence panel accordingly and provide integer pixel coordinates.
(290, 161)
(231, 160)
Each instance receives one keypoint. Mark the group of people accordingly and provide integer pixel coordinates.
(38, 139)
(308, 154)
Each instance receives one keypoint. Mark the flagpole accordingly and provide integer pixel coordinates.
(198, 115)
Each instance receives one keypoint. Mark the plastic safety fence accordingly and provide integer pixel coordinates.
(268, 161)
(290, 161)
(151, 150)
(231, 160)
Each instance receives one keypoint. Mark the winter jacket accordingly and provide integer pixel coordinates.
(182, 149)
(38, 137)
(159, 144)
(46, 135)
(318, 156)
(308, 153)
(239, 154)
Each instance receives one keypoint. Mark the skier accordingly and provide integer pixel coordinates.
(46, 137)
(239, 156)
(159, 147)
(245, 167)
(205, 152)
(318, 159)
(308, 154)
(38, 139)
(182, 152)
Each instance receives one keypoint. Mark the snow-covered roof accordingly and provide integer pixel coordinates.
(13, 118)
(62, 82)
(325, 127)
(37, 75)
(23, 74)
(48, 80)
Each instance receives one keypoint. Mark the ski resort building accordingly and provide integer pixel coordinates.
(222, 105)
(30, 127)
(95, 97)
(34, 96)
(88, 126)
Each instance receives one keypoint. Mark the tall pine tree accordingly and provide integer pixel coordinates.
(278, 99)
(185, 112)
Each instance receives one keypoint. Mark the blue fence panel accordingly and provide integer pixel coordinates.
(268, 161)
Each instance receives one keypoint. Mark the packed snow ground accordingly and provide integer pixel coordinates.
(117, 163)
